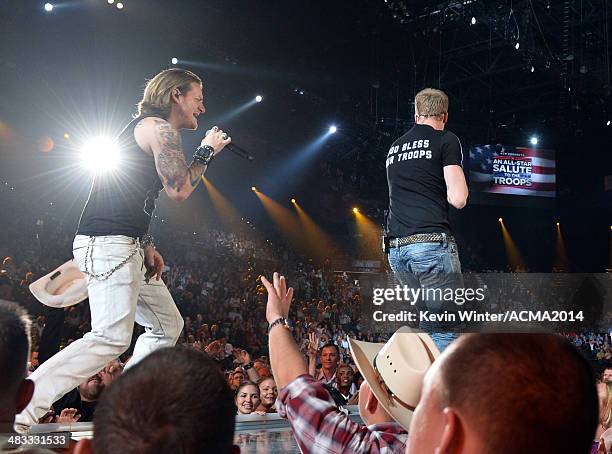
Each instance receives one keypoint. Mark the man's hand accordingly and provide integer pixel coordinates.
(68, 416)
(242, 356)
(154, 263)
(111, 371)
(313, 344)
(216, 139)
(279, 298)
(215, 350)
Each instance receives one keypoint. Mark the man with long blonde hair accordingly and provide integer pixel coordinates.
(112, 245)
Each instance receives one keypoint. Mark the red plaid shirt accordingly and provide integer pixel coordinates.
(320, 427)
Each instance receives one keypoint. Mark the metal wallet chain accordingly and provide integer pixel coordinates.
(107, 274)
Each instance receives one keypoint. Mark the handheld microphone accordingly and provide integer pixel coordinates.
(238, 151)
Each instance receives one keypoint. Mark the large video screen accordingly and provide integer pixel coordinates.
(501, 169)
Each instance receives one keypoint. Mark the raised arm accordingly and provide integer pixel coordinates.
(286, 359)
(158, 137)
(313, 346)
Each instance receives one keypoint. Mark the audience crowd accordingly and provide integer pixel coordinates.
(218, 290)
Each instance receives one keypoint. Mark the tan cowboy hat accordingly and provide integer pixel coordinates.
(64, 286)
(395, 370)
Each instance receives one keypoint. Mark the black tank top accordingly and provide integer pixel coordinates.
(121, 202)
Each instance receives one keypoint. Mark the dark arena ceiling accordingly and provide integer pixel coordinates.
(512, 68)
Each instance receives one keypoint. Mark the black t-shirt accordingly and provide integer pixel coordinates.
(122, 202)
(417, 190)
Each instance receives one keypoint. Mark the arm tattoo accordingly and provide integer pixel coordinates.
(172, 166)
(195, 174)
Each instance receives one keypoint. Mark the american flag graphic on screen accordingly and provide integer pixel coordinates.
(501, 169)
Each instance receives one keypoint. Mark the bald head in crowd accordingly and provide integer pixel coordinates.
(175, 400)
(506, 393)
(15, 390)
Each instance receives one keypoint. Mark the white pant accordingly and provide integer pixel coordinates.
(114, 304)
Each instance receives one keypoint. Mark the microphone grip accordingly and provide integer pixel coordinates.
(238, 151)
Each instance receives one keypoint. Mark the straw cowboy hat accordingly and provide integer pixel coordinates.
(395, 370)
(64, 286)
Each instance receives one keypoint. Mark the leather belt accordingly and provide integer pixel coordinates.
(421, 238)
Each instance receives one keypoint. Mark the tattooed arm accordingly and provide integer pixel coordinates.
(158, 137)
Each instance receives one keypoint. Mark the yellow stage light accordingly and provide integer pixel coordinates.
(500, 220)
(253, 188)
(292, 200)
(355, 210)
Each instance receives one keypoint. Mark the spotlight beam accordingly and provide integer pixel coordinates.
(561, 263)
(226, 211)
(233, 113)
(512, 253)
(286, 221)
(320, 243)
(369, 234)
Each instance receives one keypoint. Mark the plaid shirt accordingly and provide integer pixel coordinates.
(320, 427)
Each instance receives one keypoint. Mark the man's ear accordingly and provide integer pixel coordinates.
(445, 119)
(84, 446)
(453, 435)
(24, 394)
(371, 402)
(175, 94)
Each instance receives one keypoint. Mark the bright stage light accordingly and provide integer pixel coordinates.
(534, 140)
(355, 210)
(532, 69)
(558, 224)
(500, 220)
(174, 60)
(608, 123)
(517, 46)
(48, 7)
(100, 154)
(119, 5)
(473, 21)
(332, 129)
(258, 98)
(110, 2)
(292, 200)
(253, 188)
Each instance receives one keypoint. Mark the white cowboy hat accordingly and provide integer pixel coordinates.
(395, 370)
(64, 286)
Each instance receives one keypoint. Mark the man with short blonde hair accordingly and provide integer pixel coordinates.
(425, 176)
(431, 103)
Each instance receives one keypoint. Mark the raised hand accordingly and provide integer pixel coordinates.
(214, 349)
(242, 356)
(279, 298)
(68, 416)
(217, 139)
(313, 344)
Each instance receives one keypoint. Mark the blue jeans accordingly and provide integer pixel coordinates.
(433, 266)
